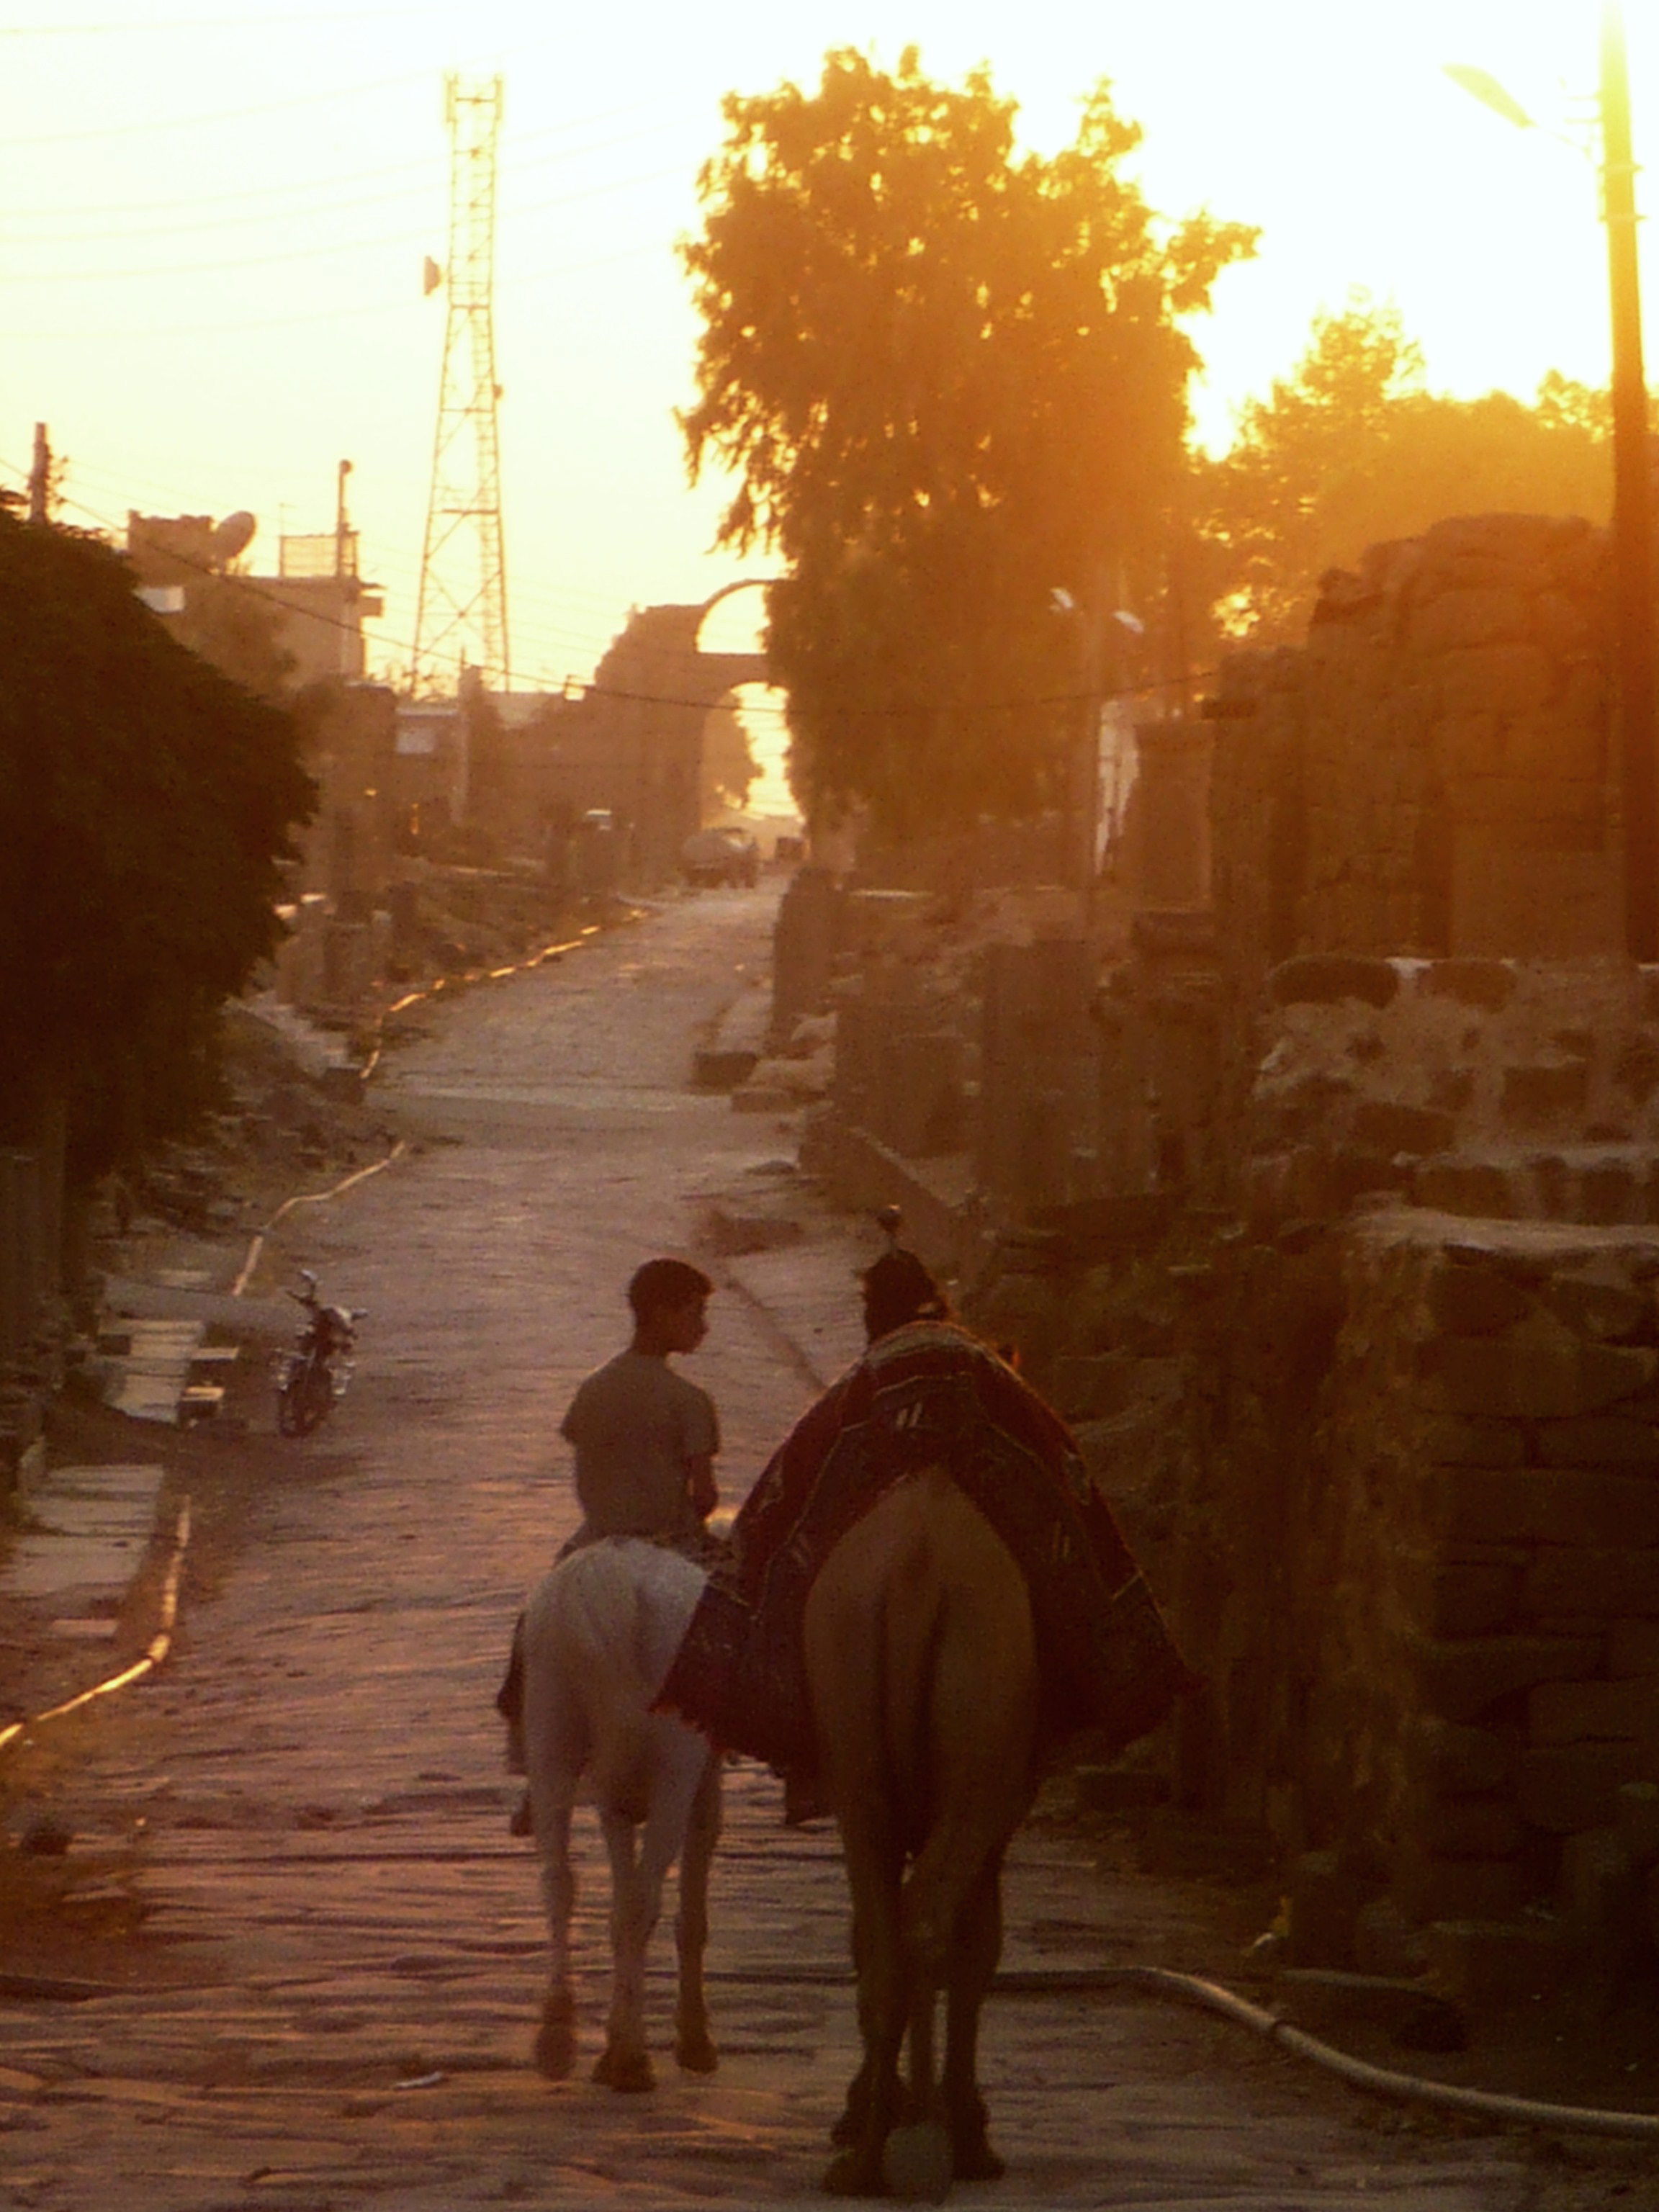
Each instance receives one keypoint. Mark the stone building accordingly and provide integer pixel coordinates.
(632, 745)
(1322, 1194)
(314, 609)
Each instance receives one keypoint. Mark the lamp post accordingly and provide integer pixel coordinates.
(1632, 493)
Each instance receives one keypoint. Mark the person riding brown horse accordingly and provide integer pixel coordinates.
(927, 1392)
(926, 1596)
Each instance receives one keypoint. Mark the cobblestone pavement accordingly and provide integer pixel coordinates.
(353, 1940)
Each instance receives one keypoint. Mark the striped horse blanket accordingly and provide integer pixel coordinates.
(929, 1394)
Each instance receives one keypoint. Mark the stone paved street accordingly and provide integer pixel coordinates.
(354, 1939)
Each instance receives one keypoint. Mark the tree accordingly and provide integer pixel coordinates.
(950, 378)
(228, 621)
(729, 766)
(1353, 450)
(145, 802)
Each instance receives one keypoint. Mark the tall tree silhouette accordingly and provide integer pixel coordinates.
(950, 377)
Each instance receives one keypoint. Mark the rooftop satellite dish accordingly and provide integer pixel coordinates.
(233, 536)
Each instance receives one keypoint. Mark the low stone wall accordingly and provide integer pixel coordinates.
(1417, 1561)
(965, 1057)
(1487, 1676)
(1396, 1482)
(1517, 1089)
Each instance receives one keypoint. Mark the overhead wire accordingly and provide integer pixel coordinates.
(432, 166)
(219, 327)
(536, 610)
(518, 139)
(146, 272)
(252, 585)
(899, 712)
(287, 22)
(23, 144)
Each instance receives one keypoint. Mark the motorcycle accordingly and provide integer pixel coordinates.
(316, 1372)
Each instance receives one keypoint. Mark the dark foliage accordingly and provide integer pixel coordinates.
(145, 801)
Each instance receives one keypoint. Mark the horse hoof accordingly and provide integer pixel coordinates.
(694, 2052)
(976, 2161)
(626, 2072)
(854, 2174)
(855, 2113)
(556, 2050)
(916, 2163)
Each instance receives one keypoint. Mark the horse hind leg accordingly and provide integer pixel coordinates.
(973, 1963)
(694, 2045)
(916, 2160)
(555, 2039)
(872, 2100)
(625, 2063)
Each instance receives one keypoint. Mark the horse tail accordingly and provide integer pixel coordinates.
(978, 1721)
(635, 1604)
(620, 1715)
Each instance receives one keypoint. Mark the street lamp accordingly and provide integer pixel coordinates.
(1632, 493)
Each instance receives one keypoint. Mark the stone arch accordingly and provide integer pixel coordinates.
(718, 598)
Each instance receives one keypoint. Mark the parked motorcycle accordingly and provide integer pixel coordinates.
(316, 1372)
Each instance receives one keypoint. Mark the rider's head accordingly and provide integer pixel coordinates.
(899, 1289)
(668, 1298)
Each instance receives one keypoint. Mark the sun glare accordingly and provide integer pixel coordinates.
(211, 274)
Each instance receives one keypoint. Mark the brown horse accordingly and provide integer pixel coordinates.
(922, 1671)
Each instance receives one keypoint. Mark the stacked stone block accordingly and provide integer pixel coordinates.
(1431, 774)
(1518, 1090)
(1489, 1670)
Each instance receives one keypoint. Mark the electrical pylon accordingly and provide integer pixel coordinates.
(460, 616)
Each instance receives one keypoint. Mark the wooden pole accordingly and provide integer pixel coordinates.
(1632, 506)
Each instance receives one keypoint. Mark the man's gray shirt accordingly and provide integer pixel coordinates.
(635, 1425)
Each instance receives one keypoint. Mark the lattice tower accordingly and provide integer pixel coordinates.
(460, 616)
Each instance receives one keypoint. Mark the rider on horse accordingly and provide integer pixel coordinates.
(927, 1392)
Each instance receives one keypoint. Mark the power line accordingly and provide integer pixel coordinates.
(1044, 703)
(218, 115)
(144, 272)
(221, 22)
(219, 328)
(430, 166)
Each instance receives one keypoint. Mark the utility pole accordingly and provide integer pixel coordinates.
(40, 478)
(1632, 506)
(343, 640)
(460, 616)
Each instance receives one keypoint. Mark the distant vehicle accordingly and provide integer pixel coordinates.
(728, 855)
(311, 1377)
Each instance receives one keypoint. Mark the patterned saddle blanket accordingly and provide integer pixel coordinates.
(929, 1394)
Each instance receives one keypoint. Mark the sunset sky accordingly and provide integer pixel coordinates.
(213, 217)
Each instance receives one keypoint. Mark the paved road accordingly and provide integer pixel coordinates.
(354, 1939)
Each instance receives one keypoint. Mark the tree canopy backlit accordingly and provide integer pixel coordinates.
(1353, 450)
(950, 378)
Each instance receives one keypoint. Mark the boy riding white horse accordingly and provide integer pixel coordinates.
(590, 1653)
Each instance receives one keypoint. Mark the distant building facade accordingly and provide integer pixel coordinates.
(314, 607)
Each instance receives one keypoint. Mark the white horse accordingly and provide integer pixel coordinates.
(600, 1633)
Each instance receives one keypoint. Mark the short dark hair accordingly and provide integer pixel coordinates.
(663, 1283)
